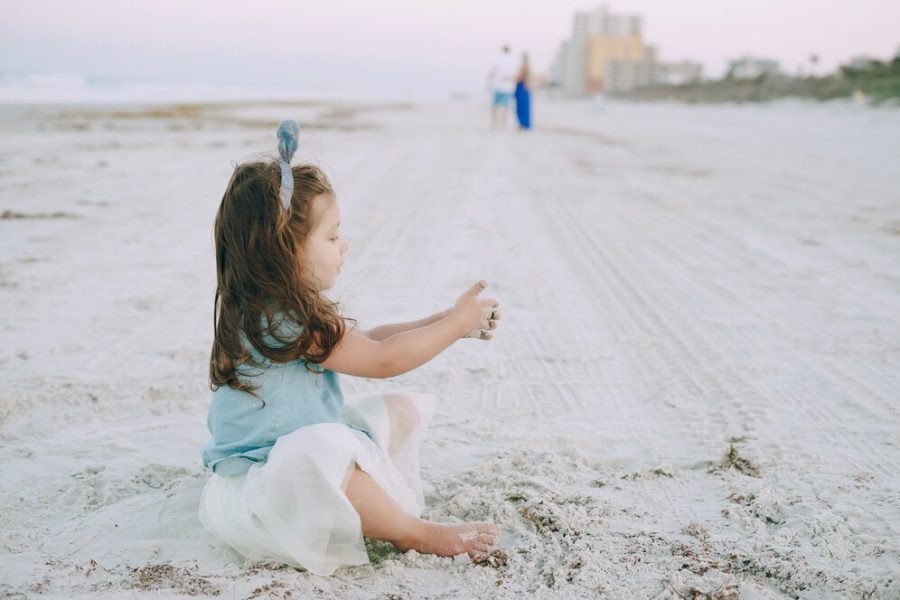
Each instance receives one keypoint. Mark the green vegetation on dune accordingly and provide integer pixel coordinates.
(880, 81)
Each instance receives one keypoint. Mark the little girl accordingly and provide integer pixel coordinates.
(300, 475)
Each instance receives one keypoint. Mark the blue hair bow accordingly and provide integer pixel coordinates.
(288, 132)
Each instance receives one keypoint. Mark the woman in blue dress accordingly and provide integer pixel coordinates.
(523, 95)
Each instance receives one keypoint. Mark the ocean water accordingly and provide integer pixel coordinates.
(74, 88)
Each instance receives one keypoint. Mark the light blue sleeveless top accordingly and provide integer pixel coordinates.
(244, 430)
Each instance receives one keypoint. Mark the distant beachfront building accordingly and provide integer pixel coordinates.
(627, 75)
(682, 72)
(606, 53)
(862, 63)
(597, 37)
(747, 67)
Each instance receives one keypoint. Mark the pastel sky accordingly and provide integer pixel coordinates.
(406, 45)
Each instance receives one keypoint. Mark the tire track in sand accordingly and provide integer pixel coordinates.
(601, 279)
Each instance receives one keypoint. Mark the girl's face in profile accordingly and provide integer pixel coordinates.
(324, 249)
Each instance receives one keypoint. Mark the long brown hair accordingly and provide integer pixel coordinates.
(263, 293)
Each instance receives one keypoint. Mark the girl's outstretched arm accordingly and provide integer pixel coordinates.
(359, 355)
(383, 332)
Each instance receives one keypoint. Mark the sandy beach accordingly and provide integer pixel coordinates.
(695, 391)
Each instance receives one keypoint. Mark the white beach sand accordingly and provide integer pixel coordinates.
(695, 391)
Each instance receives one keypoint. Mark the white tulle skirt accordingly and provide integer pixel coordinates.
(293, 509)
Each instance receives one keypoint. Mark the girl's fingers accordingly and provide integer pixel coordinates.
(485, 335)
(478, 287)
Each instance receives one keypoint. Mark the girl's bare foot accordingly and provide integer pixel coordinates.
(446, 539)
(383, 519)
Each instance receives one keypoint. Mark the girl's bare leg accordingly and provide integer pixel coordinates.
(384, 519)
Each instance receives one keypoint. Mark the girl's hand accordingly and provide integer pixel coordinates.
(477, 316)
(489, 318)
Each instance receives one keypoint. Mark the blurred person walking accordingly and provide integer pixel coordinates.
(523, 95)
(502, 83)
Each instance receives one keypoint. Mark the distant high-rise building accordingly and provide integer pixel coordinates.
(606, 53)
(605, 49)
